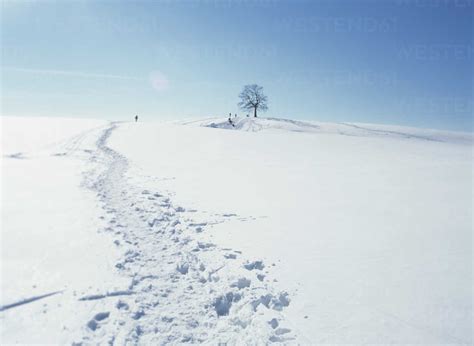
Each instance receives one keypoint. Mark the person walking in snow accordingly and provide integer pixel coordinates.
(136, 118)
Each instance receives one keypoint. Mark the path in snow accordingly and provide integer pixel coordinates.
(180, 290)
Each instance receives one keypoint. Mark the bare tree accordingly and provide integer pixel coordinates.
(252, 98)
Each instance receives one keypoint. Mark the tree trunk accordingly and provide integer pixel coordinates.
(254, 112)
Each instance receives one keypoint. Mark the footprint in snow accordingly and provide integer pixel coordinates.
(93, 324)
(258, 265)
(241, 283)
(101, 316)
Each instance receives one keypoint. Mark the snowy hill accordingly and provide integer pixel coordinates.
(271, 230)
(348, 129)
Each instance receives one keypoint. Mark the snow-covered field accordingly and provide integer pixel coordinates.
(268, 230)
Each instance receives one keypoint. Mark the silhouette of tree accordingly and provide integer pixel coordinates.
(253, 98)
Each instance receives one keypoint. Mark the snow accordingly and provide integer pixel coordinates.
(33, 134)
(49, 238)
(270, 230)
(348, 129)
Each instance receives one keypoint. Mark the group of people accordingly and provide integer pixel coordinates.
(235, 116)
(230, 119)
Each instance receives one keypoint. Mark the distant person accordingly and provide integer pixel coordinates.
(136, 118)
(235, 115)
(247, 115)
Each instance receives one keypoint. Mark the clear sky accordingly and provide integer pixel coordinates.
(380, 61)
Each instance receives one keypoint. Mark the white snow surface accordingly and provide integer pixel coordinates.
(267, 230)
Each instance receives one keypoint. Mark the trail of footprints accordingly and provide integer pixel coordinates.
(180, 289)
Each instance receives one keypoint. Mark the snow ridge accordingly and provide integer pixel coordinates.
(180, 290)
(347, 129)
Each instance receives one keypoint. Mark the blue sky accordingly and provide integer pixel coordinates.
(390, 61)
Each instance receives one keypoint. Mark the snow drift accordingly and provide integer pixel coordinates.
(347, 129)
